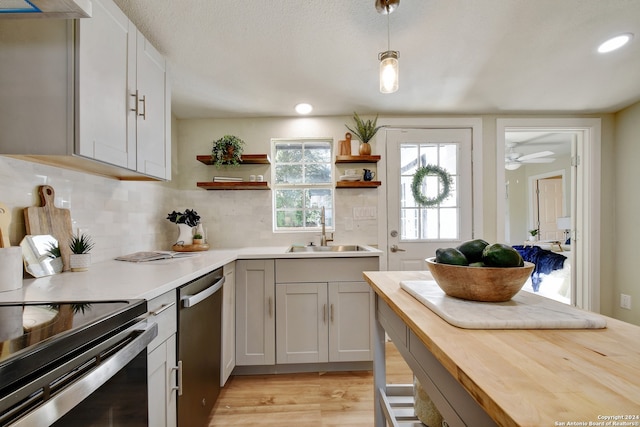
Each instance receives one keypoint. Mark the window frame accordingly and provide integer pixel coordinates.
(330, 213)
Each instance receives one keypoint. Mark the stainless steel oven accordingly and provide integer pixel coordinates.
(74, 364)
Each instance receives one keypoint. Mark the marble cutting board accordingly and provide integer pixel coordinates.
(524, 311)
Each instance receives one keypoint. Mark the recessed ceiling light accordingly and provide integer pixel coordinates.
(615, 43)
(304, 108)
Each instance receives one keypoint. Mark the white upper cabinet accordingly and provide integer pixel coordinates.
(110, 103)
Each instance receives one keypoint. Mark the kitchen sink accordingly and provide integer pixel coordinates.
(332, 248)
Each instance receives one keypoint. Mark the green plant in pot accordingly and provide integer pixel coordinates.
(80, 245)
(532, 234)
(227, 151)
(364, 130)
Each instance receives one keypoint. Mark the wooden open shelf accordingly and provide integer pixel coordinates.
(247, 159)
(358, 184)
(358, 159)
(234, 185)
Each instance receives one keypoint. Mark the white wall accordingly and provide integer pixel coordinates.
(244, 218)
(627, 206)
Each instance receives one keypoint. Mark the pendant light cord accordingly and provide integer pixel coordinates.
(388, 30)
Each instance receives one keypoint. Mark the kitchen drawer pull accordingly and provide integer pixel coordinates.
(331, 316)
(162, 308)
(270, 302)
(178, 370)
(191, 300)
(324, 313)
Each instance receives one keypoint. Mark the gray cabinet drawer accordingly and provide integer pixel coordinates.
(324, 269)
(163, 311)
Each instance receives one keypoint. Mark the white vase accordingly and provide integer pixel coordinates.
(79, 262)
(185, 236)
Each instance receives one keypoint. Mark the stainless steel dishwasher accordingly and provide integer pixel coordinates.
(199, 348)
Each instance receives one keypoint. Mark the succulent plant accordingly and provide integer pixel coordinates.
(81, 243)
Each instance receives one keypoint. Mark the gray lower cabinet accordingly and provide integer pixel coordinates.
(255, 312)
(324, 322)
(311, 310)
(324, 310)
(161, 361)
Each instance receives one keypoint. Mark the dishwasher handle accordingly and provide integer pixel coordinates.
(191, 300)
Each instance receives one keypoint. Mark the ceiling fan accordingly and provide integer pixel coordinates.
(513, 160)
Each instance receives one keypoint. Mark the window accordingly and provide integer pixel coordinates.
(434, 222)
(303, 184)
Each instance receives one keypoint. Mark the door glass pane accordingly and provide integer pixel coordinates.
(436, 222)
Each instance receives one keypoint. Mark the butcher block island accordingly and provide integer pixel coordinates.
(507, 377)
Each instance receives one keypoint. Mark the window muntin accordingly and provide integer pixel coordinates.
(303, 184)
(422, 223)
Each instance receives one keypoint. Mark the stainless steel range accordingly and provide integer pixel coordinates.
(74, 363)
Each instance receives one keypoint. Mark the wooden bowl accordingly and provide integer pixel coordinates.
(491, 284)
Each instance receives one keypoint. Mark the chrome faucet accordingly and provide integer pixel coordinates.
(323, 239)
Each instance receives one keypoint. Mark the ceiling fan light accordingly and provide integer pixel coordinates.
(615, 43)
(512, 166)
(388, 71)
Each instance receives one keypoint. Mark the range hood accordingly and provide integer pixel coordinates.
(62, 9)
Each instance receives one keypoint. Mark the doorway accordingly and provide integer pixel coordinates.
(584, 204)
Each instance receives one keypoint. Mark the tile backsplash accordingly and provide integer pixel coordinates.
(129, 216)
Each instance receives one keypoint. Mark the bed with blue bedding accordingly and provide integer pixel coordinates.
(551, 276)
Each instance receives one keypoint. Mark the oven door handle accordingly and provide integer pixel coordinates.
(71, 396)
(191, 300)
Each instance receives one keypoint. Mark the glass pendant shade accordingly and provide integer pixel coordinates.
(388, 71)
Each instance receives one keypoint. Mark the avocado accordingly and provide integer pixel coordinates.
(501, 255)
(472, 249)
(451, 256)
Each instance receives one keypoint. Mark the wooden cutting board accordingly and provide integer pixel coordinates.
(48, 219)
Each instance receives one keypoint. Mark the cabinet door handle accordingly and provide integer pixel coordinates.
(324, 313)
(270, 307)
(178, 369)
(143, 100)
(331, 315)
(136, 101)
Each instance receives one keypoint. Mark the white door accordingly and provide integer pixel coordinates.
(416, 231)
(549, 208)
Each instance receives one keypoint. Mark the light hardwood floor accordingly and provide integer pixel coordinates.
(328, 399)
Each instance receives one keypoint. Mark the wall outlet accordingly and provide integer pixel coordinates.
(625, 301)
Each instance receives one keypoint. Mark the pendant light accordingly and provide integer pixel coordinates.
(389, 58)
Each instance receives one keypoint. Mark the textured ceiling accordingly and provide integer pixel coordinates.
(258, 58)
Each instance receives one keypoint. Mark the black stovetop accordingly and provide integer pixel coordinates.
(33, 336)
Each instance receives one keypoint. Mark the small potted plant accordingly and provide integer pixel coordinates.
(532, 234)
(185, 222)
(54, 252)
(80, 245)
(227, 151)
(364, 130)
(198, 239)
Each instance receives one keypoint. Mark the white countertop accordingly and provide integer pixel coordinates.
(128, 280)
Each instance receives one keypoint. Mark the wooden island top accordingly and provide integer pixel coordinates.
(537, 377)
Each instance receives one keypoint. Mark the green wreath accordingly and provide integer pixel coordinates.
(417, 183)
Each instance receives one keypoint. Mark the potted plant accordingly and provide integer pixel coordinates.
(198, 239)
(185, 222)
(364, 130)
(80, 245)
(532, 234)
(227, 151)
(54, 252)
